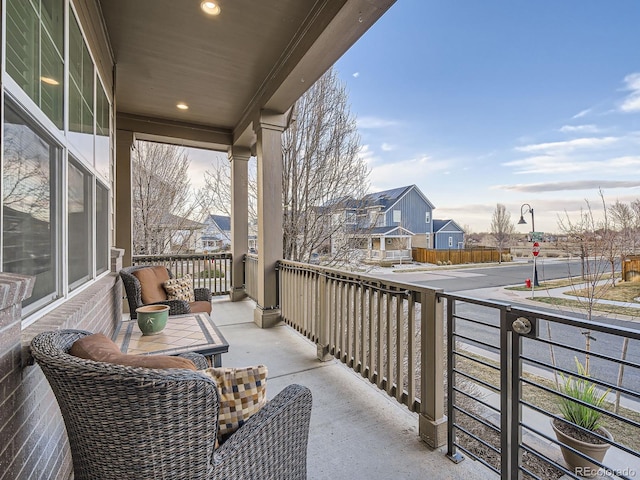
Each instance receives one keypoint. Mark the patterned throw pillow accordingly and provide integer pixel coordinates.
(243, 391)
(180, 288)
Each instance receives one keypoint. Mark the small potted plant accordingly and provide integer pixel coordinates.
(152, 318)
(575, 413)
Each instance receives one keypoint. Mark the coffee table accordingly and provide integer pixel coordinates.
(192, 332)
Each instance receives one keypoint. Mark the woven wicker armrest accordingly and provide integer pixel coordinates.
(277, 435)
(200, 361)
(202, 294)
(176, 307)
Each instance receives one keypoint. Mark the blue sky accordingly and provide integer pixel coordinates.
(480, 102)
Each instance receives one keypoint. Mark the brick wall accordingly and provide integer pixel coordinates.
(33, 441)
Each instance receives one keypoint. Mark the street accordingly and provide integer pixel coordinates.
(470, 281)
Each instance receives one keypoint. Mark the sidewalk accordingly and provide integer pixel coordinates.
(524, 297)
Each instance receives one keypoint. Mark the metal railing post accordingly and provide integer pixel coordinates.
(452, 451)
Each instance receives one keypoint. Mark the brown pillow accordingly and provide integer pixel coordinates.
(151, 280)
(180, 288)
(100, 348)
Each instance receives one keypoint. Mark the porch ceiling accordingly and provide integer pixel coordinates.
(254, 56)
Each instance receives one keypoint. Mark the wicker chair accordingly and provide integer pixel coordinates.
(139, 423)
(134, 294)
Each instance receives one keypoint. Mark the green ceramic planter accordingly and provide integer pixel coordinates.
(152, 318)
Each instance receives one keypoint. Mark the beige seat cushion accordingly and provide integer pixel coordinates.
(100, 348)
(151, 280)
(200, 306)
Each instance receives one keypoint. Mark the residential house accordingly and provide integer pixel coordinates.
(389, 221)
(447, 234)
(216, 234)
(387, 224)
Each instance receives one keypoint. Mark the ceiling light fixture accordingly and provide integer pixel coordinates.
(49, 81)
(182, 106)
(210, 8)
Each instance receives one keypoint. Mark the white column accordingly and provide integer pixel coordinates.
(269, 128)
(239, 158)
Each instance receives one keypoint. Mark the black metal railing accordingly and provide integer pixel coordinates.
(212, 271)
(507, 372)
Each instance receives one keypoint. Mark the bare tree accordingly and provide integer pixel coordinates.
(594, 240)
(323, 176)
(624, 222)
(322, 168)
(216, 194)
(162, 200)
(502, 228)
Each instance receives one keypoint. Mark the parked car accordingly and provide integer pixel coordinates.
(314, 259)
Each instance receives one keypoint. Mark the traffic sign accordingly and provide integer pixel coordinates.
(536, 249)
(536, 236)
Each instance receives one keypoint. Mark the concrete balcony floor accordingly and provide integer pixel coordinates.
(357, 431)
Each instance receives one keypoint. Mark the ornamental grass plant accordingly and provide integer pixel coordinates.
(581, 388)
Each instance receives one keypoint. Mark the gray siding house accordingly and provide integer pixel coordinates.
(405, 207)
(447, 234)
(387, 224)
(216, 234)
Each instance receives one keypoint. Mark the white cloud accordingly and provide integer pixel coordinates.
(582, 113)
(387, 147)
(355, 74)
(579, 129)
(570, 185)
(569, 145)
(368, 155)
(558, 164)
(632, 102)
(375, 122)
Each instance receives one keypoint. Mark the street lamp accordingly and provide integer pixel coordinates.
(522, 221)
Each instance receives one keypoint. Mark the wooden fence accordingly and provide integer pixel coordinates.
(457, 256)
(631, 268)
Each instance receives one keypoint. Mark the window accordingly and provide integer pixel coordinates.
(29, 207)
(397, 216)
(55, 180)
(79, 207)
(101, 160)
(81, 81)
(427, 217)
(450, 242)
(35, 38)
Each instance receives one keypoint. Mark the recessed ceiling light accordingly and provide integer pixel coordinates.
(49, 81)
(210, 8)
(182, 106)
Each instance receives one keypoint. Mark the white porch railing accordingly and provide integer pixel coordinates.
(389, 254)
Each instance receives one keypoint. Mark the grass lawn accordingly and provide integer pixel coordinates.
(620, 430)
(622, 292)
(599, 307)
